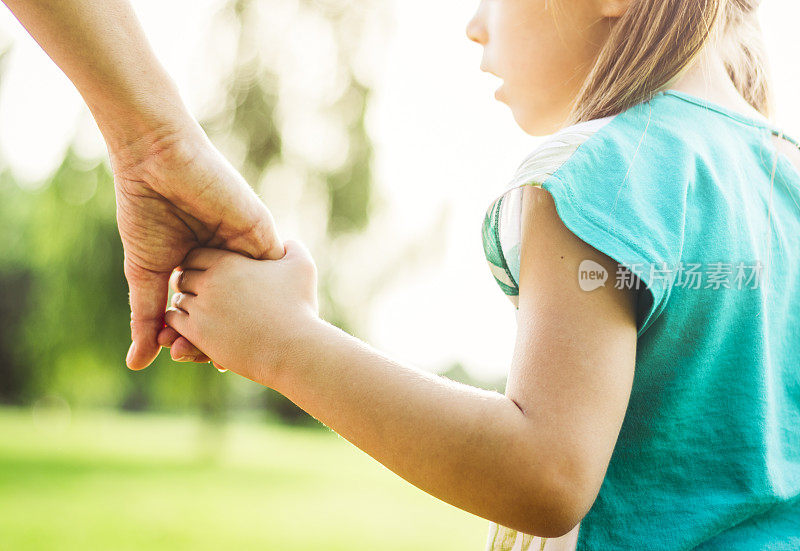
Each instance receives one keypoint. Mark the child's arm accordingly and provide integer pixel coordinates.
(532, 460)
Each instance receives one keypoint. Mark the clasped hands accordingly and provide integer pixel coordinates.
(242, 297)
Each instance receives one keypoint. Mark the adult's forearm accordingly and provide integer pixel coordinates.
(467, 446)
(101, 47)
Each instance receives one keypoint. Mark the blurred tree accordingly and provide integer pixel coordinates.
(15, 282)
(289, 111)
(63, 300)
(77, 320)
(247, 120)
(332, 160)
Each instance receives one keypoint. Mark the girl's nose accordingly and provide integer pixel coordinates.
(476, 30)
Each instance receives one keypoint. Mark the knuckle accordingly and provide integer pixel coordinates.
(191, 256)
(170, 317)
(142, 322)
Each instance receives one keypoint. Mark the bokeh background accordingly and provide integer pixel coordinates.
(369, 131)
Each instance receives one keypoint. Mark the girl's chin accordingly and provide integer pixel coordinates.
(498, 94)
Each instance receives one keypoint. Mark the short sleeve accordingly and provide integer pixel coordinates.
(502, 222)
(613, 189)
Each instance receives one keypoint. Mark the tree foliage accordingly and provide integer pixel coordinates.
(63, 297)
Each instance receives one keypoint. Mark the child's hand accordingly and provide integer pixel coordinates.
(242, 313)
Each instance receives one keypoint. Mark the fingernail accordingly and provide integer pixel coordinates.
(131, 352)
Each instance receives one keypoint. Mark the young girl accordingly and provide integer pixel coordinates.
(650, 246)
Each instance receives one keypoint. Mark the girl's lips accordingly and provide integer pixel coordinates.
(499, 89)
(487, 70)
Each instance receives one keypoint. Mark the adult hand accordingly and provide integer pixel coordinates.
(175, 191)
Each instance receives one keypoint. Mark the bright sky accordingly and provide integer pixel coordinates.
(442, 144)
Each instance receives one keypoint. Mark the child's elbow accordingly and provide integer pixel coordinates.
(563, 524)
(554, 508)
(552, 523)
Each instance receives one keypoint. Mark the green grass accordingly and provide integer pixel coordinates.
(114, 481)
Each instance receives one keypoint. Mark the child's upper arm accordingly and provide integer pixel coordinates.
(573, 363)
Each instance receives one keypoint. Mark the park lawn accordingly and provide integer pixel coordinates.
(104, 480)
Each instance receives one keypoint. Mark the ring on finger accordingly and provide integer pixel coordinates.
(176, 300)
(181, 280)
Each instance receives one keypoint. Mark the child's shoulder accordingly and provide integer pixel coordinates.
(556, 149)
(651, 141)
(616, 182)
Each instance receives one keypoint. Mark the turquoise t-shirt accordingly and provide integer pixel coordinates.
(677, 190)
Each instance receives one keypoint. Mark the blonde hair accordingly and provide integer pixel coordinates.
(655, 41)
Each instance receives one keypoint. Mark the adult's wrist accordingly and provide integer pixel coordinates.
(148, 145)
(148, 117)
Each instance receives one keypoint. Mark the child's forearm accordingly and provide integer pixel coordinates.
(469, 447)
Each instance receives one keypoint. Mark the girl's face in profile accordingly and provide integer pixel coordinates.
(542, 56)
